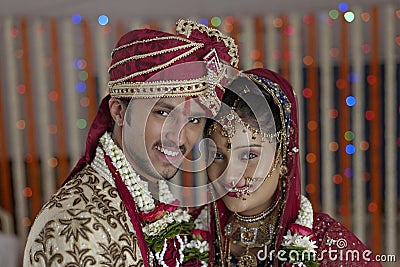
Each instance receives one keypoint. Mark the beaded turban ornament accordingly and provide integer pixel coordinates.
(143, 64)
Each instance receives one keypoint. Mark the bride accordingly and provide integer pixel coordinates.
(262, 219)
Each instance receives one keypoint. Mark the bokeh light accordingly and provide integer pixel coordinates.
(351, 101)
(340, 83)
(310, 188)
(26, 221)
(397, 39)
(348, 172)
(21, 89)
(84, 101)
(343, 7)
(337, 179)
(308, 19)
(79, 64)
(364, 145)
(369, 115)
(216, 21)
(288, 30)
(52, 162)
(53, 96)
(333, 146)
(81, 124)
(349, 16)
(277, 22)
(349, 136)
(372, 207)
(52, 129)
(307, 92)
(27, 192)
(203, 21)
(354, 77)
(311, 158)
(371, 79)
(312, 125)
(366, 48)
(76, 18)
(334, 52)
(83, 75)
(102, 20)
(308, 60)
(333, 113)
(20, 124)
(350, 149)
(333, 14)
(14, 33)
(80, 87)
(365, 16)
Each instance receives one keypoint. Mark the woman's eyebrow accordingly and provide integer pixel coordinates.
(248, 146)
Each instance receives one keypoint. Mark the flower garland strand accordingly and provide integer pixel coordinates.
(170, 232)
(299, 241)
(137, 187)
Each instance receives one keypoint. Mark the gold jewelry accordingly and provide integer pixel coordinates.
(251, 233)
(282, 170)
(186, 26)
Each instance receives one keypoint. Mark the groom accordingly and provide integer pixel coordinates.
(108, 212)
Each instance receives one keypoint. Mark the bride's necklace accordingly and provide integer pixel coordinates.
(253, 233)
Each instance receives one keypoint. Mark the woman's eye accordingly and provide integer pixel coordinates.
(249, 155)
(194, 120)
(218, 155)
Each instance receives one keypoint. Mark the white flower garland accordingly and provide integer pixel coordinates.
(138, 188)
(156, 227)
(305, 218)
(145, 203)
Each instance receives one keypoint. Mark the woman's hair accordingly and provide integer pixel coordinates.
(250, 104)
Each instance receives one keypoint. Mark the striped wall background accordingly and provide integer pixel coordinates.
(53, 73)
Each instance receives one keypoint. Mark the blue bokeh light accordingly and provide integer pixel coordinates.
(354, 77)
(76, 18)
(203, 21)
(343, 7)
(80, 87)
(103, 20)
(350, 149)
(351, 101)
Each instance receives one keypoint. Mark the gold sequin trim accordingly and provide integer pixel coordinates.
(155, 89)
(186, 26)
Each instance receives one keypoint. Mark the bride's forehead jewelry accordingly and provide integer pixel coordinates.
(228, 124)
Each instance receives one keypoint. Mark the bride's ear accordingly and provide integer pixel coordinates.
(117, 110)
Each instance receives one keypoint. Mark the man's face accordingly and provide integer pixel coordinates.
(158, 133)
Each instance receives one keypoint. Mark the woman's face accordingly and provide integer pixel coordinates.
(247, 158)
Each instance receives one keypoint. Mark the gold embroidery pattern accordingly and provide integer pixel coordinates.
(186, 26)
(89, 226)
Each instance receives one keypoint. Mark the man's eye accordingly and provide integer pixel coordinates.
(194, 120)
(162, 113)
(248, 156)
